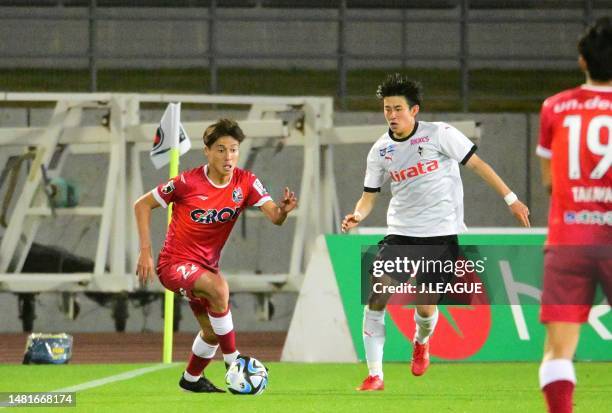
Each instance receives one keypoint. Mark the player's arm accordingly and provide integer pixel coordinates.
(362, 209)
(546, 175)
(142, 210)
(482, 169)
(277, 214)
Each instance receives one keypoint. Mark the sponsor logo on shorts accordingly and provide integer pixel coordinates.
(237, 196)
(169, 187)
(213, 216)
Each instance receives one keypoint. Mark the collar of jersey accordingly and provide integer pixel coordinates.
(597, 88)
(212, 183)
(393, 138)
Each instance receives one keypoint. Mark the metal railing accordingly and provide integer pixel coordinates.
(342, 56)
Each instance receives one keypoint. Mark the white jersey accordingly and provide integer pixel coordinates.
(425, 182)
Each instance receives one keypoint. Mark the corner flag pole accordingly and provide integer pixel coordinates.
(171, 141)
(169, 295)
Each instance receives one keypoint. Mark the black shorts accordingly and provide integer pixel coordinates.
(427, 259)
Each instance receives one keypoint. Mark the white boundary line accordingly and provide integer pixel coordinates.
(111, 379)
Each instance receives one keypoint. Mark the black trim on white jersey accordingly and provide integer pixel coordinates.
(467, 157)
(393, 138)
(368, 189)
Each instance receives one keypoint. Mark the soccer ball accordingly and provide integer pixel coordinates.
(246, 375)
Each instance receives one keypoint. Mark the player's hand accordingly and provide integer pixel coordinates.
(520, 212)
(289, 202)
(144, 268)
(350, 221)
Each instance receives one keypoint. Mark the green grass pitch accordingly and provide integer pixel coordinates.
(294, 387)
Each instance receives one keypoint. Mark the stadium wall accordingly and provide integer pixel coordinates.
(174, 43)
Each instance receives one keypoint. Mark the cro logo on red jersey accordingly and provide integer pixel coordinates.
(213, 216)
(413, 171)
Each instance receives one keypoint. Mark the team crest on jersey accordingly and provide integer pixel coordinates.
(387, 152)
(237, 196)
(169, 187)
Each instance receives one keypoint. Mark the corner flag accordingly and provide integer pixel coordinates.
(169, 129)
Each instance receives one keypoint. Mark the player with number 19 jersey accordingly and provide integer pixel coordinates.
(204, 214)
(576, 135)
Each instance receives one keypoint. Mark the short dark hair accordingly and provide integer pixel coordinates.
(595, 47)
(398, 85)
(223, 127)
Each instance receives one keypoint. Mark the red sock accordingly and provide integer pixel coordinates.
(196, 365)
(227, 342)
(559, 396)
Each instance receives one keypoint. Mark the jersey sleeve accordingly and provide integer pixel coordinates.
(171, 191)
(375, 172)
(257, 193)
(455, 144)
(544, 144)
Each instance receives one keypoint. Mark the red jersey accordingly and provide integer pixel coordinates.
(204, 213)
(575, 134)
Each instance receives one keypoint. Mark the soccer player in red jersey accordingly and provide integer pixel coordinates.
(576, 153)
(207, 202)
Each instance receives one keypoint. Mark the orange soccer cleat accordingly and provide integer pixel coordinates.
(372, 383)
(420, 358)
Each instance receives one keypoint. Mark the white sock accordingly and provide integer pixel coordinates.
(190, 378)
(222, 325)
(202, 349)
(556, 370)
(424, 326)
(374, 340)
(229, 358)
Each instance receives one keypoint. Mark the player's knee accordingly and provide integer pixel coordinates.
(426, 311)
(375, 305)
(214, 290)
(377, 302)
(219, 297)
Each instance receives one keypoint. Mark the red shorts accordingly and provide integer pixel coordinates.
(179, 277)
(571, 276)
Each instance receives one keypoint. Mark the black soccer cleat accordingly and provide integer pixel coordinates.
(203, 385)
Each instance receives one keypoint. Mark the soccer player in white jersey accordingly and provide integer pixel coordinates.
(422, 161)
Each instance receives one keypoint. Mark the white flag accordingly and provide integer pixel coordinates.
(170, 134)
